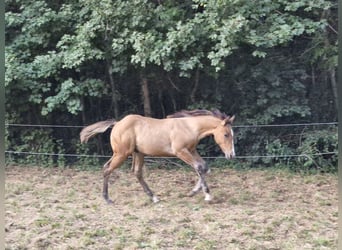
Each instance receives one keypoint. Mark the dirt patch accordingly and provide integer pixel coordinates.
(63, 209)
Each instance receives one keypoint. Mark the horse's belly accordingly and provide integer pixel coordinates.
(156, 146)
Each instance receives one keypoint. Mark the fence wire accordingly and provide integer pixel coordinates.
(156, 157)
(235, 126)
(10, 152)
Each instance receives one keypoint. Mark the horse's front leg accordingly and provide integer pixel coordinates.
(201, 168)
(201, 184)
(204, 186)
(196, 189)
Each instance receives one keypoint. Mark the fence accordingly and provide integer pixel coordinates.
(43, 126)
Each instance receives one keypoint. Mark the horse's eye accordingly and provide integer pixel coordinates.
(226, 135)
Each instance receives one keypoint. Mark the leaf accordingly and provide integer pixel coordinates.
(258, 53)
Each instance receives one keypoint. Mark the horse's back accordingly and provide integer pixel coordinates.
(143, 134)
(127, 124)
(137, 121)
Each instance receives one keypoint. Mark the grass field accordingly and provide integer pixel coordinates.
(50, 208)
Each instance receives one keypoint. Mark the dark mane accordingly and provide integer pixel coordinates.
(198, 112)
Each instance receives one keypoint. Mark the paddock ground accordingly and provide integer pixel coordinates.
(53, 208)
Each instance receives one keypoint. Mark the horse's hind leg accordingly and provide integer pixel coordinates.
(109, 167)
(106, 165)
(138, 170)
(133, 162)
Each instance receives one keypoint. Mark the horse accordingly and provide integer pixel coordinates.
(176, 135)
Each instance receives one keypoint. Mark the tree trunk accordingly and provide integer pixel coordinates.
(331, 71)
(160, 98)
(84, 121)
(332, 74)
(114, 90)
(194, 90)
(146, 96)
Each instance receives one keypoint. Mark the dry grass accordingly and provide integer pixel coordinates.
(63, 209)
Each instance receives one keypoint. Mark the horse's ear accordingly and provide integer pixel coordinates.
(231, 119)
(228, 120)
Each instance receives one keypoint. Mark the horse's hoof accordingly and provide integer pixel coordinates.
(155, 199)
(208, 197)
(192, 193)
(109, 202)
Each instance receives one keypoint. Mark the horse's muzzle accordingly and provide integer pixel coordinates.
(230, 156)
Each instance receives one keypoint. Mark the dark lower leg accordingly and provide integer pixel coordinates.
(205, 187)
(105, 189)
(142, 182)
(138, 169)
(195, 160)
(109, 167)
(105, 181)
(146, 188)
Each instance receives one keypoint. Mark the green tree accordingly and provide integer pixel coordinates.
(81, 61)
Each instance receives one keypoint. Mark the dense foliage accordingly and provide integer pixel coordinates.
(74, 62)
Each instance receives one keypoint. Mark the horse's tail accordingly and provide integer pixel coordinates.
(96, 128)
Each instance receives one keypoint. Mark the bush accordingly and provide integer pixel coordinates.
(318, 147)
(40, 142)
(297, 149)
(34, 147)
(87, 162)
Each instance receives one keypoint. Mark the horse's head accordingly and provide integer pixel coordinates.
(224, 137)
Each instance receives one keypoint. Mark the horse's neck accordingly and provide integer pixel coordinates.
(206, 125)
